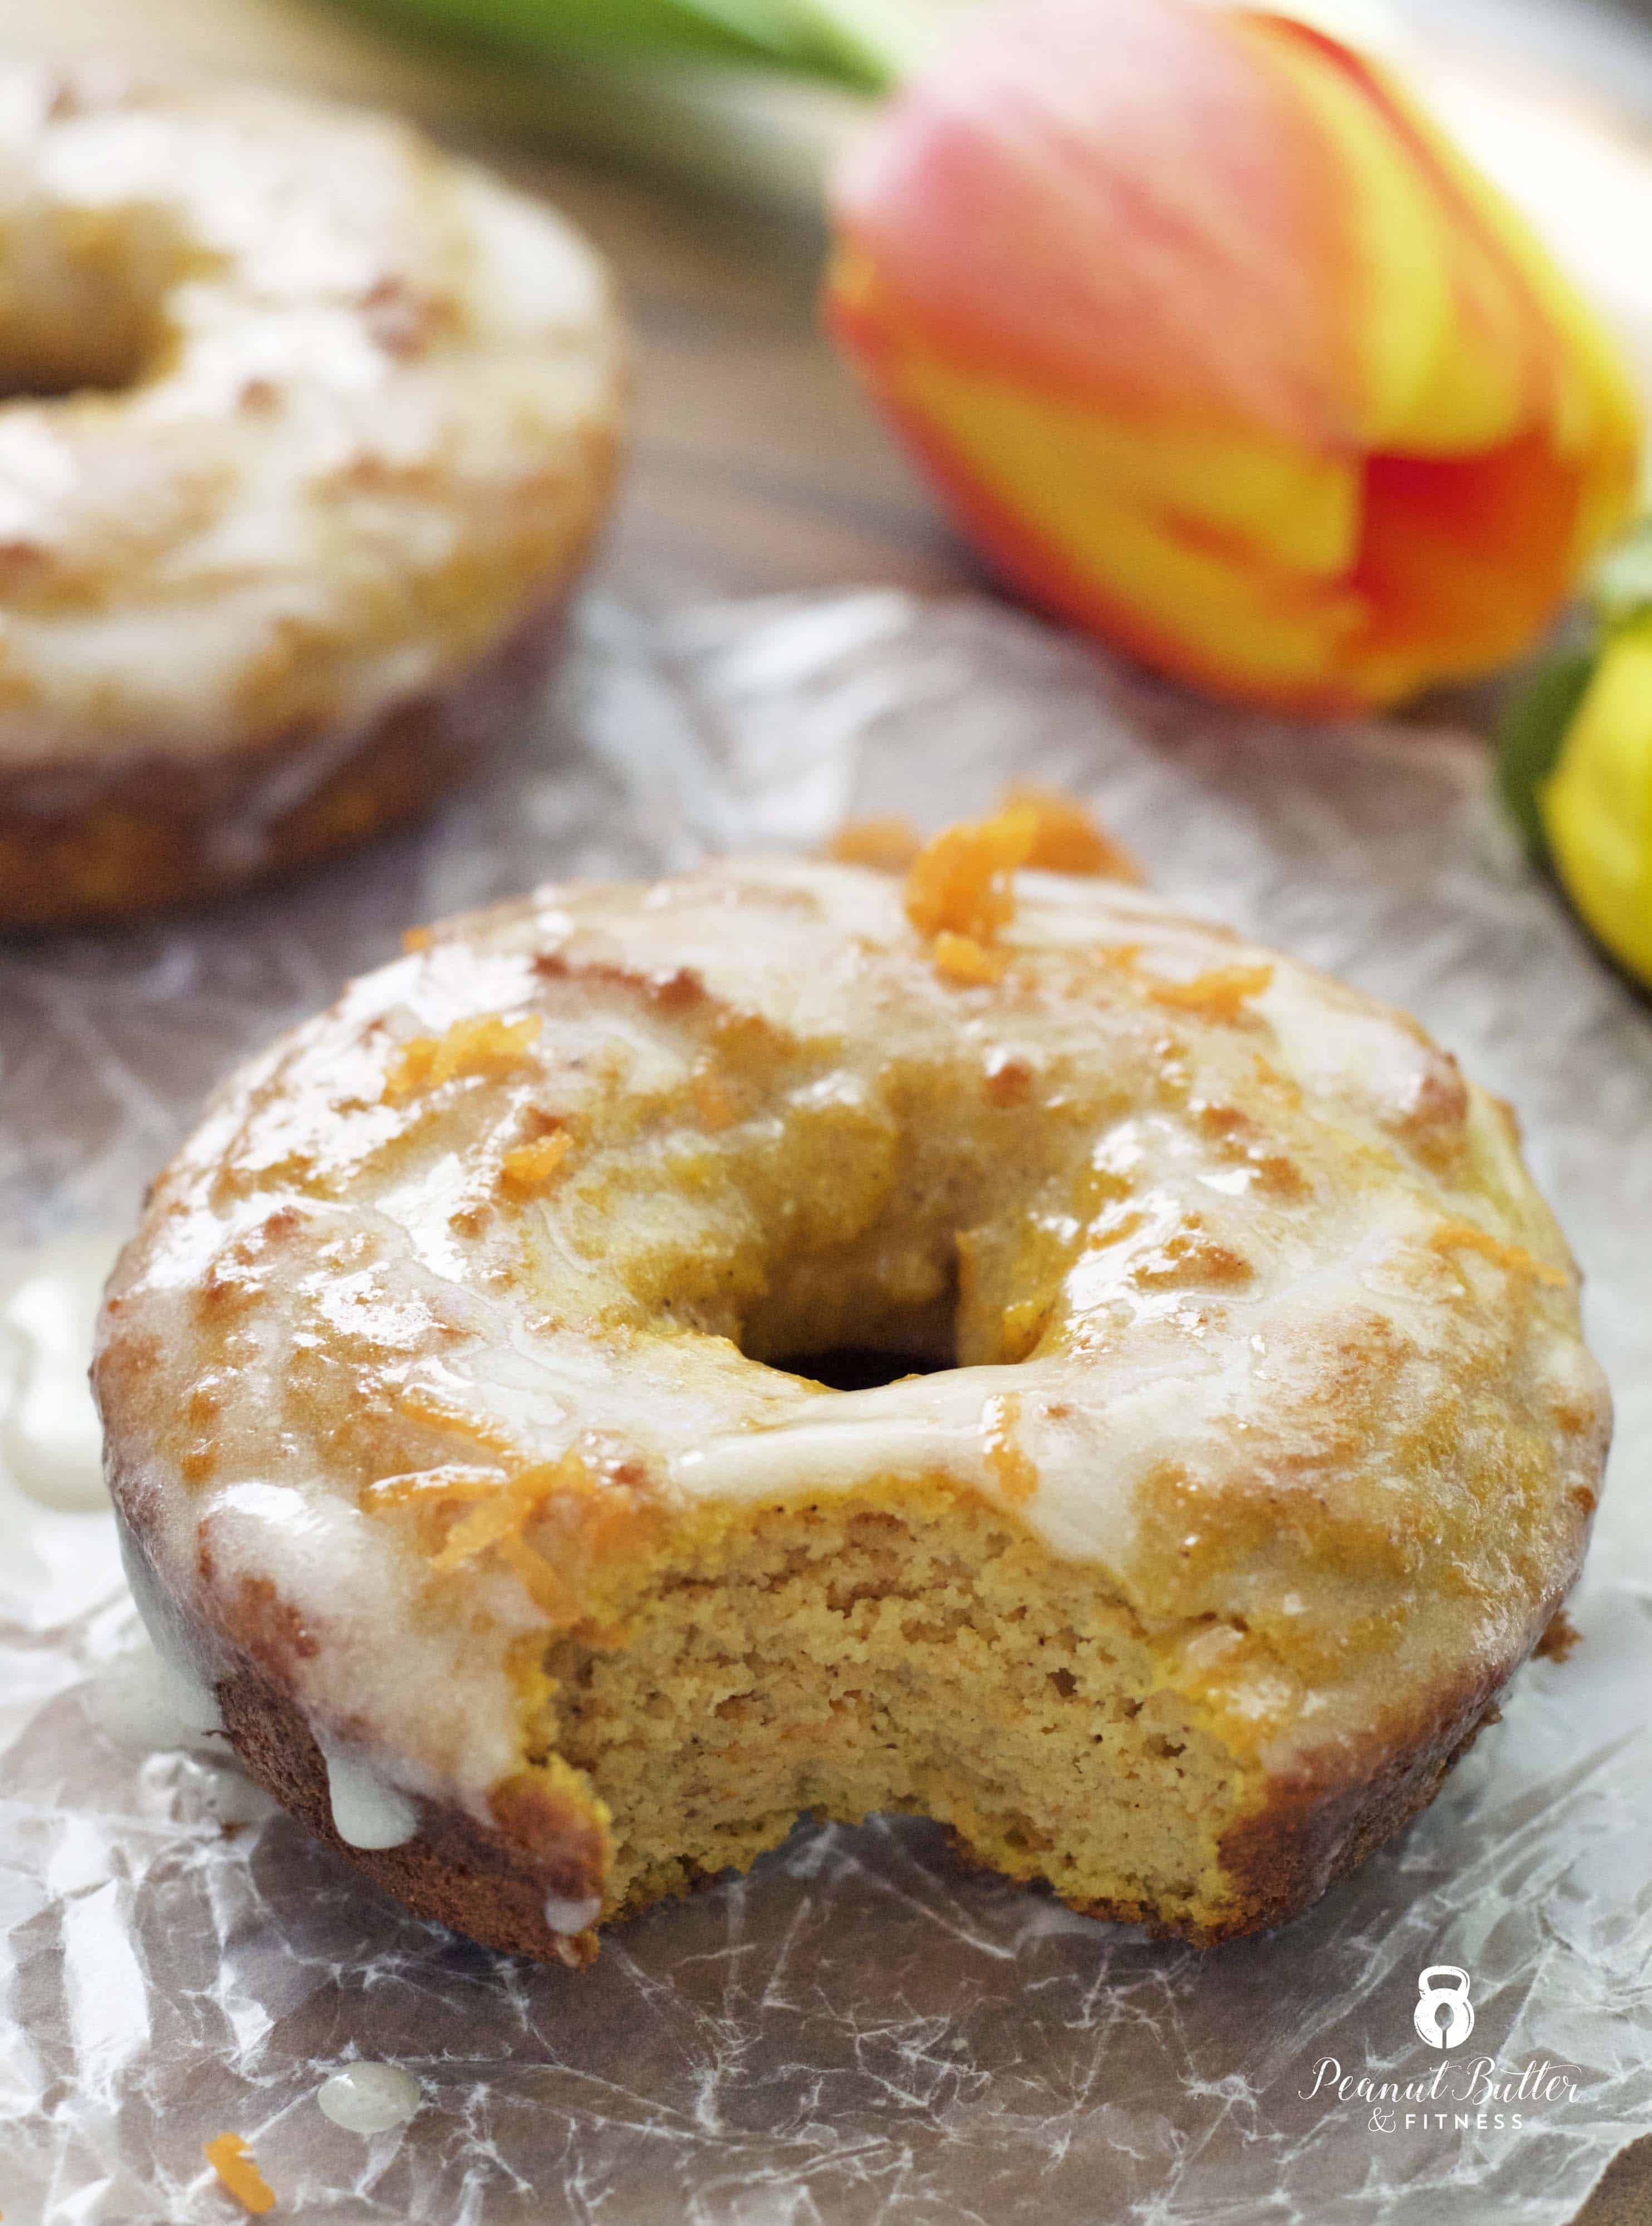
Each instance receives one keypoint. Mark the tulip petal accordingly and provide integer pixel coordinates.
(1004, 167)
(1462, 562)
(1588, 402)
(1212, 552)
(1441, 338)
(1214, 347)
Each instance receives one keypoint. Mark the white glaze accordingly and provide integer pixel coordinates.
(51, 1440)
(145, 1707)
(369, 2098)
(173, 1698)
(571, 1916)
(366, 1812)
(235, 1800)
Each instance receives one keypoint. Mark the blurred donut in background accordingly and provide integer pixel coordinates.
(305, 427)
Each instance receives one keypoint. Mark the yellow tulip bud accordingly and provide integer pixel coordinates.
(1217, 348)
(1596, 806)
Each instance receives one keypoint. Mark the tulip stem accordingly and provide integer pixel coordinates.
(862, 45)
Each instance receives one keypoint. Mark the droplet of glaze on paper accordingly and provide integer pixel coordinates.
(369, 2098)
(572, 1916)
(236, 1800)
(185, 1705)
(145, 1705)
(366, 1813)
(51, 1441)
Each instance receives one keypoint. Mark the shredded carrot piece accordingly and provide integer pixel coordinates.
(416, 938)
(506, 1514)
(889, 844)
(453, 1480)
(1219, 994)
(594, 1516)
(714, 1101)
(961, 958)
(1067, 839)
(1013, 1468)
(426, 1405)
(486, 1043)
(231, 2159)
(527, 1167)
(498, 1517)
(544, 1585)
(960, 881)
(1464, 1237)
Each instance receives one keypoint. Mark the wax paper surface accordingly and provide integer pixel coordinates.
(861, 2031)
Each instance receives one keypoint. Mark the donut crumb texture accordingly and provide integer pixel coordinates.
(926, 1655)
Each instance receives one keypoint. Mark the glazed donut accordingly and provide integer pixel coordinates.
(307, 427)
(467, 1422)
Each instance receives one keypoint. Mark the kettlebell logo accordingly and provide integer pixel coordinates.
(1444, 2015)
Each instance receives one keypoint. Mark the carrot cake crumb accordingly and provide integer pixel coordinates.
(960, 881)
(473, 1047)
(1067, 839)
(231, 2159)
(1219, 994)
(961, 958)
(1560, 1636)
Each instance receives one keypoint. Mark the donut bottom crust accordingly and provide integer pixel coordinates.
(845, 1657)
(84, 843)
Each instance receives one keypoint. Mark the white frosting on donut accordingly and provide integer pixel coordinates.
(1307, 1365)
(156, 1695)
(569, 1918)
(366, 1813)
(145, 1706)
(367, 396)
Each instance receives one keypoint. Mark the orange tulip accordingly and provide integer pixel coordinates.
(1217, 347)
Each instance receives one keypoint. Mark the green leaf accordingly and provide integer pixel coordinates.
(864, 44)
(1529, 735)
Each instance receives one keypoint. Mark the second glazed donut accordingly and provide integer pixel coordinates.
(308, 426)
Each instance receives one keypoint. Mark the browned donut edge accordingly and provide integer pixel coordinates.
(1316, 1830)
(85, 843)
(491, 1882)
(476, 1880)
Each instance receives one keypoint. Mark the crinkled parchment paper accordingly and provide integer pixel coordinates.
(860, 2030)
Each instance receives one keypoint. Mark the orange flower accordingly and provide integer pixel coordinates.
(1218, 348)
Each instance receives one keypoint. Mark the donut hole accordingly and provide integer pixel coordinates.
(84, 303)
(860, 1367)
(50, 367)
